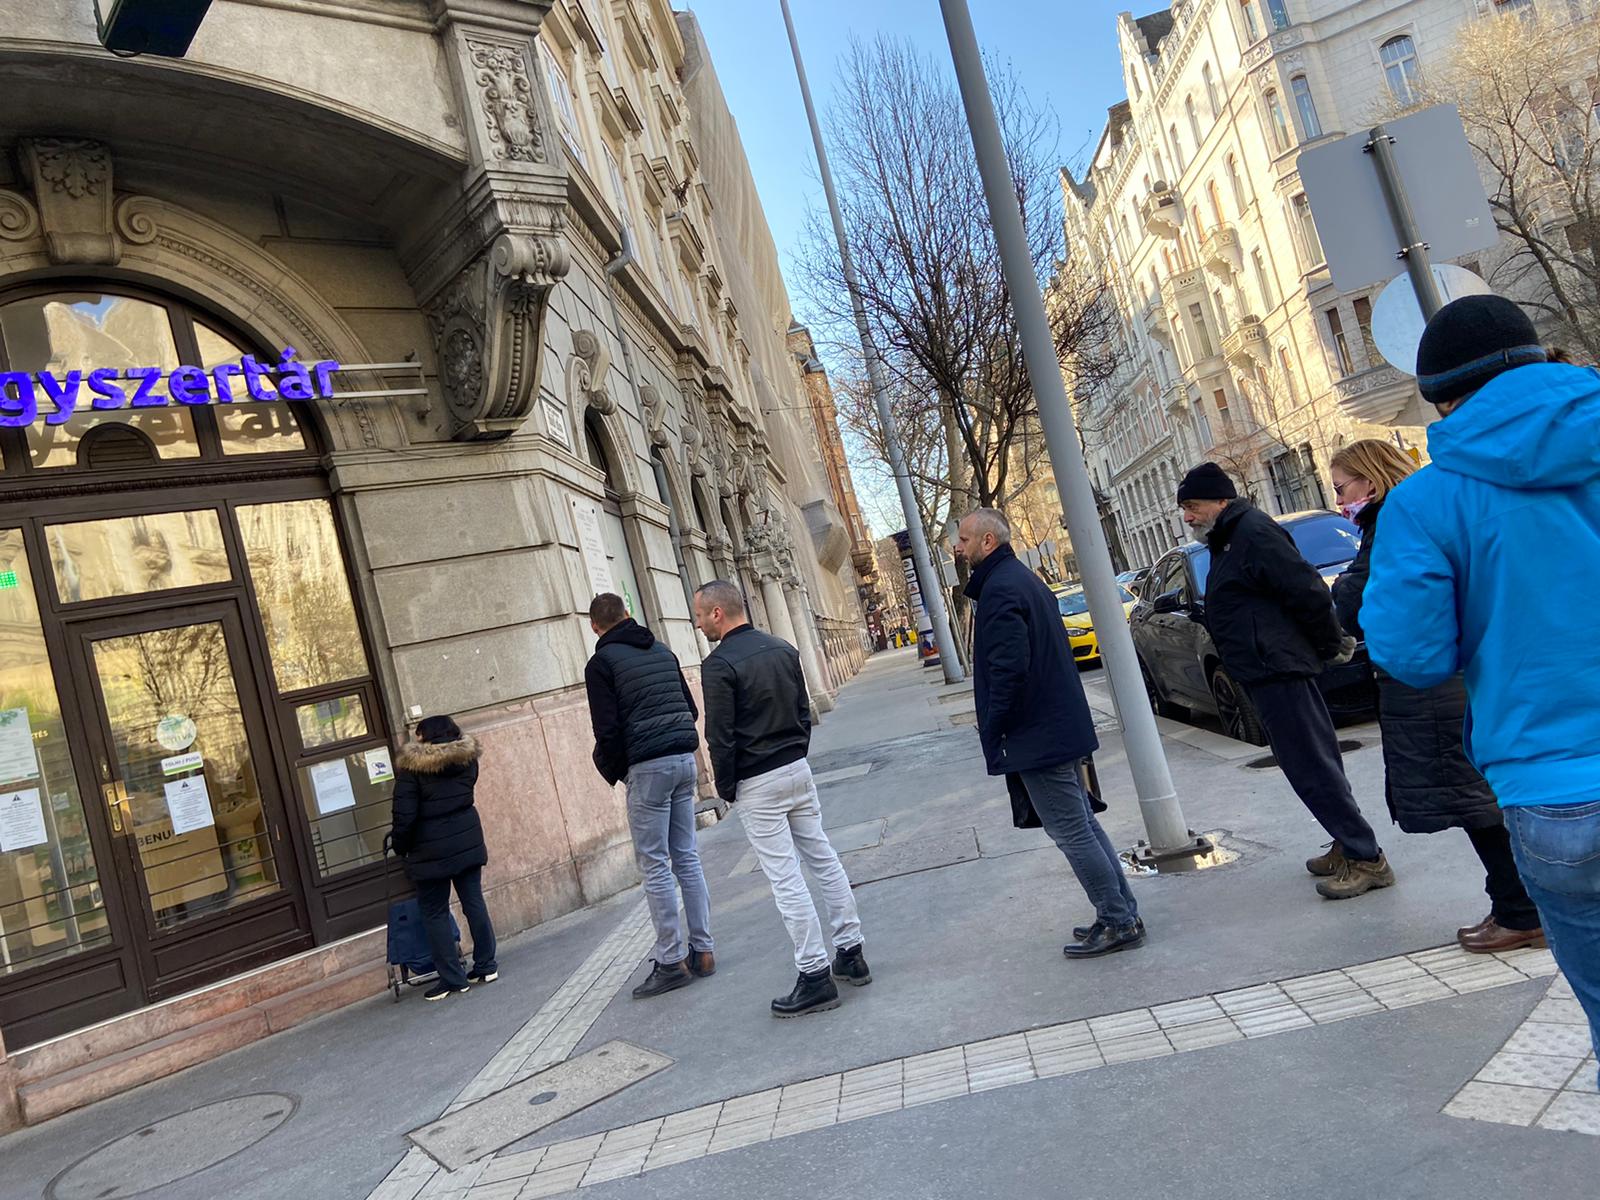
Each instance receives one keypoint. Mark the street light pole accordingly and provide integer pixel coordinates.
(1158, 801)
(929, 579)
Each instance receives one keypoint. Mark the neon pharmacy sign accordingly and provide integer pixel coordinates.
(23, 394)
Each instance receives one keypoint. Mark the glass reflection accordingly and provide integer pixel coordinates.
(259, 427)
(131, 555)
(204, 847)
(85, 331)
(328, 722)
(310, 621)
(50, 901)
(348, 802)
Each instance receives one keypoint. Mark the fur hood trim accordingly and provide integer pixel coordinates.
(430, 758)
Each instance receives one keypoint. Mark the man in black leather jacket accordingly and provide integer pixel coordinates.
(758, 729)
(644, 732)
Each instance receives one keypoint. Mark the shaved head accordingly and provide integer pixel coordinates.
(981, 532)
(719, 607)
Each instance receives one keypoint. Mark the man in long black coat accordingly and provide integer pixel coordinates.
(1273, 622)
(1034, 722)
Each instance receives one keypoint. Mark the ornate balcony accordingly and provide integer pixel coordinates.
(1246, 344)
(1161, 212)
(1222, 254)
(1181, 290)
(1379, 396)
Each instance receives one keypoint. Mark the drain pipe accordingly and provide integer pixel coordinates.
(626, 257)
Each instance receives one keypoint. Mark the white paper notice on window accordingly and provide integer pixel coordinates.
(21, 820)
(17, 759)
(380, 766)
(189, 805)
(330, 781)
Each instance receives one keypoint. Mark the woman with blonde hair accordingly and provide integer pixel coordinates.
(1430, 783)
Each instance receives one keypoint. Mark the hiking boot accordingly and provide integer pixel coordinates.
(666, 977)
(812, 993)
(1326, 864)
(850, 966)
(701, 963)
(1106, 939)
(1356, 878)
(488, 976)
(1082, 933)
(440, 990)
(1488, 936)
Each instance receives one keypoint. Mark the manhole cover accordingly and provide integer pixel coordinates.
(173, 1148)
(1267, 760)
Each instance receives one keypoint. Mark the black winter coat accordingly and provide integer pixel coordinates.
(1032, 713)
(758, 712)
(639, 702)
(436, 828)
(1267, 608)
(1430, 782)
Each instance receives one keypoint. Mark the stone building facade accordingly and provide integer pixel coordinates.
(512, 242)
(1235, 344)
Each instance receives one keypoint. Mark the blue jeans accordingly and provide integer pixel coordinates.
(1558, 853)
(661, 817)
(1057, 796)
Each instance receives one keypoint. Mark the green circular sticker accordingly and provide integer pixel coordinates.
(175, 732)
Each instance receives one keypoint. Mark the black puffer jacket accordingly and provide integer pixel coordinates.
(1430, 782)
(639, 702)
(758, 715)
(436, 828)
(1267, 608)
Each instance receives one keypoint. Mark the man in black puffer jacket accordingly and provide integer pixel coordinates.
(644, 732)
(1272, 619)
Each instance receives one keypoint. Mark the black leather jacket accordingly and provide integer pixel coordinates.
(758, 715)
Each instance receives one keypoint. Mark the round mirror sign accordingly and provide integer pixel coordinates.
(175, 732)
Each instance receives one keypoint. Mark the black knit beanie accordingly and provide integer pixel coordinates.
(1469, 342)
(1207, 482)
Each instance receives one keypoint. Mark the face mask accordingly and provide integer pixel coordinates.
(1350, 510)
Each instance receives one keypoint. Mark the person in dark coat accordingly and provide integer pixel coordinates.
(1034, 722)
(644, 717)
(1430, 782)
(439, 838)
(1272, 620)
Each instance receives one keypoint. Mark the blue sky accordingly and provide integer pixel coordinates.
(1064, 51)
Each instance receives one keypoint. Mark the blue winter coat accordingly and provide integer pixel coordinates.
(1486, 564)
(1031, 710)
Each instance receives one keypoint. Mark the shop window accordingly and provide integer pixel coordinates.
(349, 804)
(260, 427)
(292, 552)
(329, 722)
(128, 556)
(50, 899)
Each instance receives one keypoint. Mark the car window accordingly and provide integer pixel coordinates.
(1326, 541)
(1200, 567)
(1072, 603)
(1167, 577)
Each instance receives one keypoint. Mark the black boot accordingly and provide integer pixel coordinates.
(850, 966)
(812, 993)
(1106, 939)
(667, 977)
(1084, 932)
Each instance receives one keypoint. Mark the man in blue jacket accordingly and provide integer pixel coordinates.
(1486, 561)
(1034, 722)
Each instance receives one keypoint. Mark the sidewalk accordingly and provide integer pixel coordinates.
(1217, 1060)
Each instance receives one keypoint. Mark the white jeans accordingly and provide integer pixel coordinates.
(781, 815)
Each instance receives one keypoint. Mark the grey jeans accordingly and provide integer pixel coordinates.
(661, 818)
(1057, 795)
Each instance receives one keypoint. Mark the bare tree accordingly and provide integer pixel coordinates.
(1527, 91)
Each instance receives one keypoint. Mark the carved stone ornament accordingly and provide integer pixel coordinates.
(487, 326)
(586, 374)
(72, 195)
(505, 94)
(655, 416)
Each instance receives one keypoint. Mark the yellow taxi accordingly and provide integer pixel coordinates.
(1080, 627)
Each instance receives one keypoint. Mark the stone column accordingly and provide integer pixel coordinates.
(10, 1109)
(810, 659)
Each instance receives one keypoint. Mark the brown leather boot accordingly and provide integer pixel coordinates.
(1356, 878)
(1489, 936)
(702, 963)
(1326, 864)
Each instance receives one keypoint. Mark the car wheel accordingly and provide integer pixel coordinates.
(1239, 718)
(1157, 705)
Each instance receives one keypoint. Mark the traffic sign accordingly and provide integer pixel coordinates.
(1397, 321)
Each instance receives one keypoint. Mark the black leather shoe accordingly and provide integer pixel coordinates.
(1105, 939)
(850, 966)
(812, 993)
(665, 978)
(1082, 932)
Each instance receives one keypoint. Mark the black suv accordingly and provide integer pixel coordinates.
(1178, 660)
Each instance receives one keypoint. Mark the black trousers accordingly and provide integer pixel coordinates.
(1307, 748)
(1509, 904)
(433, 897)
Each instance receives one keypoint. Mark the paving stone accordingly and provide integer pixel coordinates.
(1204, 1035)
(1123, 1024)
(511, 1166)
(994, 1050)
(731, 1136)
(1560, 1012)
(1573, 1112)
(1385, 971)
(615, 1166)
(1586, 1078)
(1187, 1012)
(1059, 1037)
(1543, 1037)
(1529, 1070)
(870, 1104)
(871, 1079)
(1445, 959)
(1405, 992)
(810, 1092)
(668, 1151)
(565, 1154)
(1242, 1000)
(1481, 976)
(999, 1075)
(745, 1108)
(1131, 1049)
(631, 1137)
(553, 1183)
(929, 1091)
(1264, 1022)
(936, 1062)
(1560, 989)
(1066, 1061)
(1531, 962)
(1329, 983)
(1499, 1102)
(799, 1120)
(503, 1189)
(1339, 1006)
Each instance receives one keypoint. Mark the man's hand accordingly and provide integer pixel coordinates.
(1347, 651)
